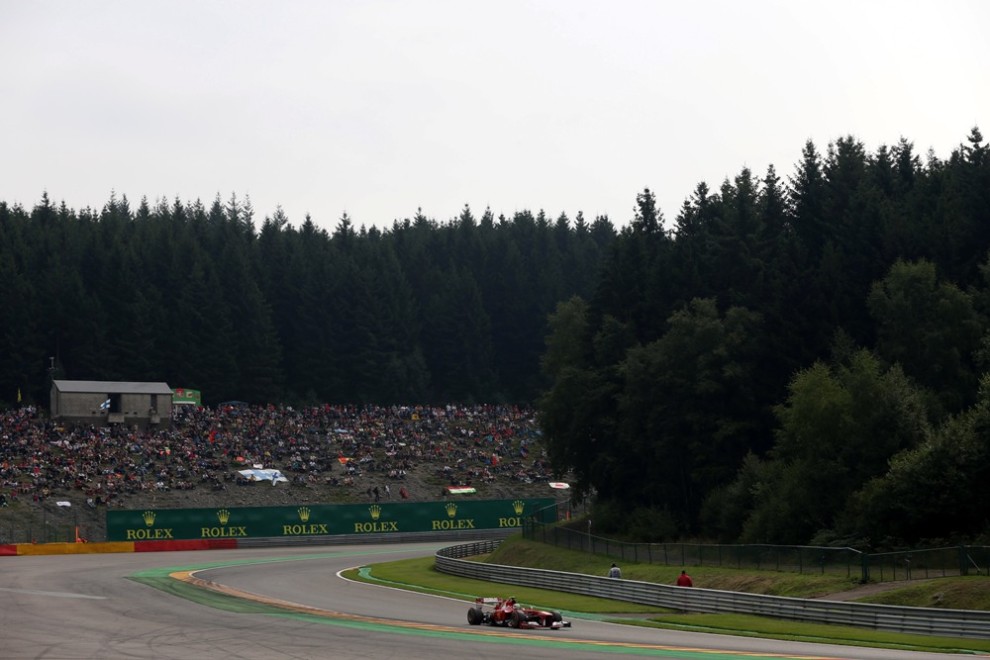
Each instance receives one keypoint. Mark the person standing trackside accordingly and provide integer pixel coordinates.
(615, 572)
(684, 580)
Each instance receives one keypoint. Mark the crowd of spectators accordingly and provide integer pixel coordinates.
(362, 448)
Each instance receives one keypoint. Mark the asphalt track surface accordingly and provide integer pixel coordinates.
(91, 606)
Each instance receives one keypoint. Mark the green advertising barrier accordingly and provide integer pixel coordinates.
(323, 519)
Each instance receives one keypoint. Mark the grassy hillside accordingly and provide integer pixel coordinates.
(954, 593)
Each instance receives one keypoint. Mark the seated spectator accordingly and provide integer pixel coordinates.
(204, 447)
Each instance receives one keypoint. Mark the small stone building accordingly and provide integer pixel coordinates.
(102, 402)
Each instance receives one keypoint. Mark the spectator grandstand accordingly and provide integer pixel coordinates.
(329, 453)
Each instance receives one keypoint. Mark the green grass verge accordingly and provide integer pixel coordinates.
(420, 575)
(960, 593)
(520, 552)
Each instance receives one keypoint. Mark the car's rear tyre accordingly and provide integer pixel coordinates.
(517, 619)
(475, 616)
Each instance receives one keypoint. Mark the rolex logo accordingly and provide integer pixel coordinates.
(149, 518)
(518, 507)
(303, 513)
(223, 515)
(451, 509)
(376, 511)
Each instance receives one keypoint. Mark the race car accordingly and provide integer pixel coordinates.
(507, 612)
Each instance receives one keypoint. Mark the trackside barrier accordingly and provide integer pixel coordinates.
(73, 548)
(323, 520)
(172, 546)
(14, 549)
(914, 620)
(375, 539)
(922, 563)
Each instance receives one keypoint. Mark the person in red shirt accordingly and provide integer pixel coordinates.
(684, 580)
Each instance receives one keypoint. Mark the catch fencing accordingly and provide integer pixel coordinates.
(894, 618)
(42, 526)
(819, 560)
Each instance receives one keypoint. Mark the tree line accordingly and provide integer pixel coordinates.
(790, 360)
(197, 296)
(799, 361)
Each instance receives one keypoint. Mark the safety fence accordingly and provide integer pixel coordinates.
(915, 620)
(42, 526)
(928, 563)
(848, 562)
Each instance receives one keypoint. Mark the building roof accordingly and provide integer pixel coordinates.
(111, 387)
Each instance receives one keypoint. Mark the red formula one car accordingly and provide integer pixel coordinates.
(507, 612)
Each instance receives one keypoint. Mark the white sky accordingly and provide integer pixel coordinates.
(377, 108)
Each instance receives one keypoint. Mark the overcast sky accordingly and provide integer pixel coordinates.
(379, 108)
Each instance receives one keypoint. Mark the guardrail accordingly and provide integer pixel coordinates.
(915, 620)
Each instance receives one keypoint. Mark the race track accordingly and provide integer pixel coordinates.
(84, 606)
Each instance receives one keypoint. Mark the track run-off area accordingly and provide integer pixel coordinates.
(256, 603)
